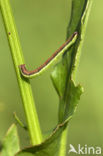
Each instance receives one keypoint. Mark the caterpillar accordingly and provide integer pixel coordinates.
(30, 74)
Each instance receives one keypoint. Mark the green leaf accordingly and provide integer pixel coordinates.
(11, 142)
(50, 146)
(65, 70)
(67, 67)
(69, 103)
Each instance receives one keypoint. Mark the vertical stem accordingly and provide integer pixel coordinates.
(63, 142)
(83, 29)
(24, 85)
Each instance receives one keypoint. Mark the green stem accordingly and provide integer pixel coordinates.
(63, 142)
(84, 20)
(25, 87)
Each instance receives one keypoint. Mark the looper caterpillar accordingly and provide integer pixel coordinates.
(50, 60)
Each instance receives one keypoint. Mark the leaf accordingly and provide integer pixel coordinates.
(67, 67)
(50, 146)
(65, 70)
(10, 144)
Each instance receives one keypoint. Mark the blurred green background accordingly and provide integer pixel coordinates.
(42, 29)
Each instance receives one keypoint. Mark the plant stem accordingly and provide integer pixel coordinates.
(73, 74)
(24, 85)
(63, 142)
